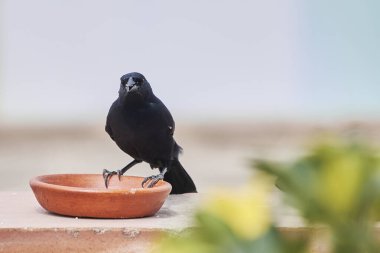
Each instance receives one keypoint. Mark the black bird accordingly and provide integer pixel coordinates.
(143, 127)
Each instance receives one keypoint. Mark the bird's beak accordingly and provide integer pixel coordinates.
(130, 84)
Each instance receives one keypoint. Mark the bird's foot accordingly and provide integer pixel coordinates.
(153, 180)
(108, 174)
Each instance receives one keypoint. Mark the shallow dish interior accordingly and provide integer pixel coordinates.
(94, 181)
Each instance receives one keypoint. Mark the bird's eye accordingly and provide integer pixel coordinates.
(138, 81)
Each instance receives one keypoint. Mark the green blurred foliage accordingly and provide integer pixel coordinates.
(213, 235)
(234, 220)
(336, 185)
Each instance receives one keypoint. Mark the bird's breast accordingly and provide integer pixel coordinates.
(142, 132)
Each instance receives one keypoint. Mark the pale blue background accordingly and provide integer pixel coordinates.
(309, 60)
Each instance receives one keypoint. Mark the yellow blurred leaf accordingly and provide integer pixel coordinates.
(340, 182)
(244, 210)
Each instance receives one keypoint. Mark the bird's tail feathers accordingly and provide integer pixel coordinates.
(179, 179)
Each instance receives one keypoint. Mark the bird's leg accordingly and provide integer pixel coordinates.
(108, 174)
(154, 179)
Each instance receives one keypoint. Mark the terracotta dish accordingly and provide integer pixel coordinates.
(84, 195)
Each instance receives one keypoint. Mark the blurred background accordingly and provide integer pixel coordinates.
(242, 79)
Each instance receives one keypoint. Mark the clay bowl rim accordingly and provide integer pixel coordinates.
(38, 181)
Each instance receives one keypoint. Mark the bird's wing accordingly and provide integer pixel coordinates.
(169, 121)
(108, 126)
(166, 116)
(109, 130)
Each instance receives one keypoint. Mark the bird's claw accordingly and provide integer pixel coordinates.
(153, 180)
(108, 174)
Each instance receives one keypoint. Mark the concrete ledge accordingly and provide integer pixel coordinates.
(27, 227)
(77, 240)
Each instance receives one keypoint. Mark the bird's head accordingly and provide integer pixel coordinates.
(134, 85)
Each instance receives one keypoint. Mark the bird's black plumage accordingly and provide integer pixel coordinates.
(143, 127)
